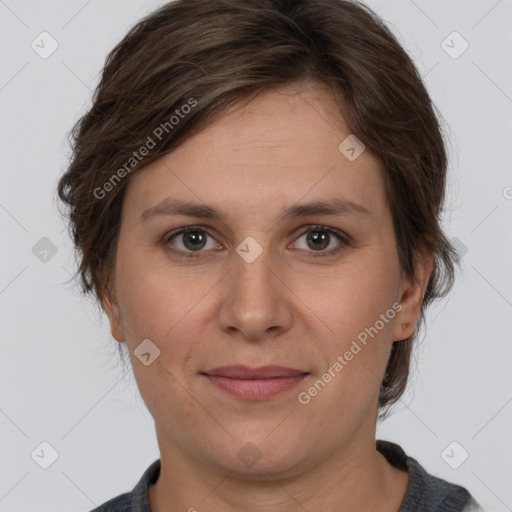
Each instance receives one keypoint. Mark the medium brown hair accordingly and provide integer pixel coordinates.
(214, 53)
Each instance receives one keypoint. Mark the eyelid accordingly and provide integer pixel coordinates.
(321, 227)
(344, 239)
(187, 229)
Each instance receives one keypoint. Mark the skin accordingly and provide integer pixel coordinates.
(284, 308)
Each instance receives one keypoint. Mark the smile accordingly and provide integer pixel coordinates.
(255, 383)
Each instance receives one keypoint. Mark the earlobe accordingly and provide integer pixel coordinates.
(111, 309)
(403, 330)
(411, 297)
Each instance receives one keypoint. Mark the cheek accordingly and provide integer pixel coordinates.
(361, 317)
(357, 306)
(354, 296)
(155, 298)
(171, 304)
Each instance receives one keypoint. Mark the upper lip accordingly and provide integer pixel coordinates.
(262, 372)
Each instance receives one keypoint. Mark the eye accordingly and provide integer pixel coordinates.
(319, 238)
(190, 240)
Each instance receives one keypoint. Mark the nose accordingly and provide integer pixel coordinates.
(255, 300)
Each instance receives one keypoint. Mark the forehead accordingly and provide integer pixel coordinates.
(281, 125)
(281, 146)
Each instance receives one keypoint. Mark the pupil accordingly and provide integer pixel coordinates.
(315, 238)
(195, 236)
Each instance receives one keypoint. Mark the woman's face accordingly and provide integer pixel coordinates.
(261, 287)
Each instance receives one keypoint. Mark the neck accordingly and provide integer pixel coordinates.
(357, 480)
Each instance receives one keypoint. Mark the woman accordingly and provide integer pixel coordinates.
(255, 195)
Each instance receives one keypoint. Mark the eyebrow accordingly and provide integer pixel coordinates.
(335, 206)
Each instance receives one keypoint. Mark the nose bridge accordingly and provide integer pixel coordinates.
(252, 276)
(254, 300)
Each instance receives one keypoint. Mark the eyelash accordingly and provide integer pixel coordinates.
(344, 241)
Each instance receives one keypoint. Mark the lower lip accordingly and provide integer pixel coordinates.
(255, 389)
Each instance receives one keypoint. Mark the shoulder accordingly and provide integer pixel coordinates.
(121, 503)
(426, 492)
(136, 500)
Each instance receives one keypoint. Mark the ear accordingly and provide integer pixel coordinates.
(110, 305)
(411, 295)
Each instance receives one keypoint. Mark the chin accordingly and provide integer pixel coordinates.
(264, 457)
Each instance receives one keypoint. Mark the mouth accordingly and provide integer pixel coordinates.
(255, 383)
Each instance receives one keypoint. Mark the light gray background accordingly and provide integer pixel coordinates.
(60, 381)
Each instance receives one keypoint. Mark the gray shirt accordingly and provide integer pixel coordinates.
(425, 493)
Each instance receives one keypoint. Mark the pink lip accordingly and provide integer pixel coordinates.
(255, 383)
